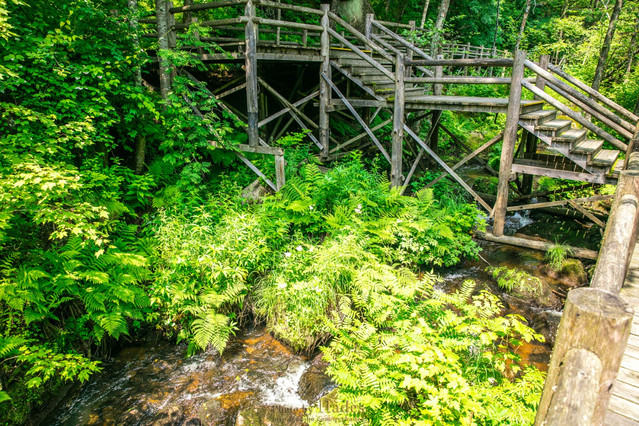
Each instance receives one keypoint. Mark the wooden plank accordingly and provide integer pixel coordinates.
(586, 213)
(624, 407)
(499, 62)
(285, 6)
(536, 245)
(467, 149)
(205, 6)
(459, 80)
(288, 24)
(559, 174)
(575, 116)
(441, 162)
(413, 168)
(280, 176)
(256, 170)
(626, 391)
(359, 83)
(231, 91)
(359, 36)
(560, 203)
(397, 137)
(358, 118)
(359, 52)
(361, 136)
(617, 419)
(250, 66)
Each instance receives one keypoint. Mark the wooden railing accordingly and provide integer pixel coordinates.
(596, 322)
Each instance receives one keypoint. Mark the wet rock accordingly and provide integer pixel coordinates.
(314, 383)
(270, 415)
(171, 416)
(213, 412)
(255, 191)
(572, 273)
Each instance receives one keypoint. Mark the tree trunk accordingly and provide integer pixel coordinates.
(354, 12)
(494, 49)
(140, 141)
(523, 25)
(605, 48)
(633, 48)
(426, 4)
(435, 44)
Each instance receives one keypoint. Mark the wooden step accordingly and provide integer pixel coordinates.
(589, 148)
(553, 128)
(372, 79)
(468, 103)
(570, 137)
(605, 158)
(539, 117)
(361, 70)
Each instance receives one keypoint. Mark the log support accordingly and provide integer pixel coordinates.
(250, 65)
(398, 123)
(324, 88)
(508, 146)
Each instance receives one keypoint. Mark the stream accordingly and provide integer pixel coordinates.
(257, 380)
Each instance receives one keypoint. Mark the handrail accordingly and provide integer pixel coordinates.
(285, 6)
(486, 62)
(574, 115)
(595, 325)
(579, 96)
(361, 54)
(595, 94)
(361, 37)
(380, 26)
(206, 6)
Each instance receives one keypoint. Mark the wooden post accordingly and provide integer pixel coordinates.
(325, 90)
(398, 123)
(250, 66)
(599, 322)
(433, 137)
(278, 29)
(187, 16)
(508, 145)
(170, 18)
(541, 82)
(280, 177)
(530, 148)
(161, 13)
(368, 26)
(409, 52)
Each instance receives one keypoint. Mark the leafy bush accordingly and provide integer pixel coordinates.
(556, 256)
(432, 358)
(516, 280)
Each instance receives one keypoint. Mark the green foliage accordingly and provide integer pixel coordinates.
(433, 358)
(556, 255)
(516, 280)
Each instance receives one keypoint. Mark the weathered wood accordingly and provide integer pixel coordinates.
(358, 118)
(580, 100)
(280, 176)
(464, 147)
(540, 170)
(205, 6)
(287, 24)
(586, 213)
(443, 164)
(171, 36)
(576, 395)
(467, 158)
(218, 23)
(405, 43)
(498, 62)
(361, 54)
(620, 235)
(360, 136)
(288, 109)
(250, 65)
(359, 36)
(559, 203)
(544, 60)
(359, 83)
(411, 172)
(595, 94)
(508, 145)
(286, 6)
(268, 150)
(597, 321)
(536, 245)
(397, 136)
(459, 80)
(256, 170)
(231, 91)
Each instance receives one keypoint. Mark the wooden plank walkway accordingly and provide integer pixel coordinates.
(624, 403)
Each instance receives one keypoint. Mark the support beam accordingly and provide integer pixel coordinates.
(280, 176)
(441, 162)
(508, 146)
(398, 124)
(250, 65)
(281, 112)
(325, 91)
(358, 118)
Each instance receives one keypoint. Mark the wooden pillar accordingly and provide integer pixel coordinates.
(278, 29)
(368, 26)
(161, 13)
(529, 148)
(325, 90)
(597, 321)
(435, 118)
(508, 144)
(398, 123)
(280, 177)
(409, 52)
(250, 65)
(541, 82)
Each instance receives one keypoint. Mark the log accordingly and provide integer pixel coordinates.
(250, 65)
(599, 322)
(574, 400)
(578, 252)
(398, 124)
(508, 145)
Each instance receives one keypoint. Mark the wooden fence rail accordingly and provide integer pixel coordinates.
(596, 322)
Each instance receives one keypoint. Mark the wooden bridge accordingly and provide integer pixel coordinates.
(565, 130)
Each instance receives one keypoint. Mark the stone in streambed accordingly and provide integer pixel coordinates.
(270, 415)
(314, 383)
(571, 274)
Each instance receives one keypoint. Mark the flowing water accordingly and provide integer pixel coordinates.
(257, 380)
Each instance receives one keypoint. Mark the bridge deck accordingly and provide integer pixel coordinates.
(624, 403)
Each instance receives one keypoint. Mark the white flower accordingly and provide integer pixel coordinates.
(359, 206)
(287, 254)
(311, 248)
(311, 207)
(100, 77)
(358, 211)
(298, 248)
(281, 285)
